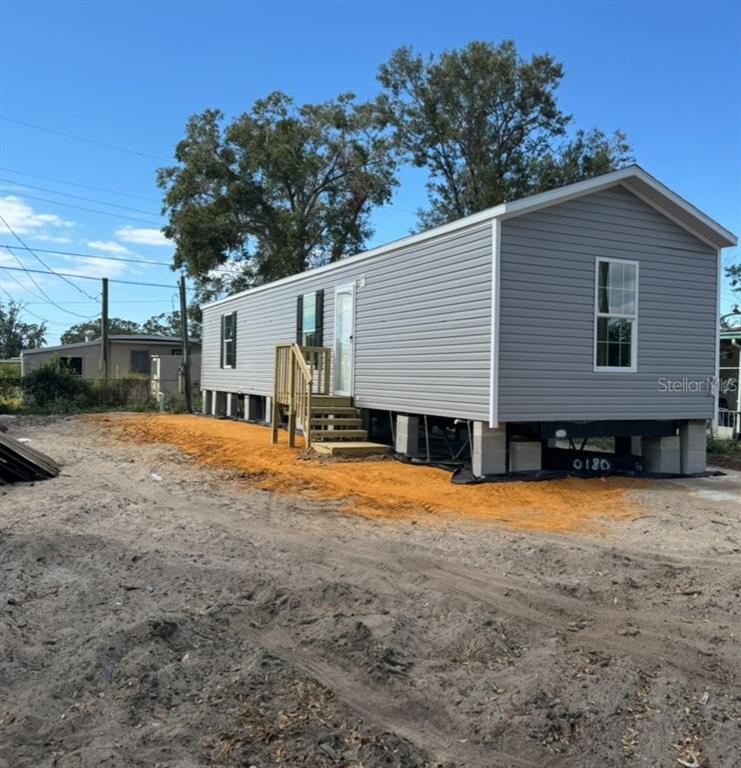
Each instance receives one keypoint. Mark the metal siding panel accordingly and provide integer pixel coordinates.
(547, 312)
(422, 328)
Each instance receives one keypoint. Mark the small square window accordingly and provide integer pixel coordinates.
(140, 361)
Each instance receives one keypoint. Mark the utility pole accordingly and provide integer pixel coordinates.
(104, 328)
(186, 346)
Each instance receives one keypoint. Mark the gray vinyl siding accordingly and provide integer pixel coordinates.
(546, 336)
(422, 327)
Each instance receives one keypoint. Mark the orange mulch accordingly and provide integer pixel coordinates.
(382, 489)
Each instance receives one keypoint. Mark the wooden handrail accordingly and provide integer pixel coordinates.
(300, 372)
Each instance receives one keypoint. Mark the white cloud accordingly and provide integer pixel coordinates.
(93, 267)
(109, 246)
(25, 221)
(142, 236)
(52, 239)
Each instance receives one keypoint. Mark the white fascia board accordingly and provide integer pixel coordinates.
(505, 211)
(573, 191)
(453, 226)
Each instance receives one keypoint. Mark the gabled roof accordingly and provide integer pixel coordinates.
(131, 338)
(641, 184)
(632, 178)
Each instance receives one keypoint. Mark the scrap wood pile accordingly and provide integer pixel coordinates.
(21, 464)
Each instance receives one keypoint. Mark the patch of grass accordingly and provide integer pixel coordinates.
(729, 448)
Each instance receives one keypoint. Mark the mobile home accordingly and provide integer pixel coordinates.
(579, 312)
(145, 355)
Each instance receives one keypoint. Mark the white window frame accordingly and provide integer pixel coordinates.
(225, 341)
(634, 318)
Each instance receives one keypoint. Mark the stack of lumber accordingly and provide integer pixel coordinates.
(21, 464)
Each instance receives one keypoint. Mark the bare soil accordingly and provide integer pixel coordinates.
(156, 612)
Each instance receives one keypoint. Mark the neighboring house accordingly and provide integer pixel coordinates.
(589, 310)
(729, 401)
(128, 355)
(9, 362)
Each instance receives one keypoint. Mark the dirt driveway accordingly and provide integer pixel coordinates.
(197, 620)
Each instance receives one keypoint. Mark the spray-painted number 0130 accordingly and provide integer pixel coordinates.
(592, 464)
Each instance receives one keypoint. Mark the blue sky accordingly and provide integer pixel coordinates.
(130, 74)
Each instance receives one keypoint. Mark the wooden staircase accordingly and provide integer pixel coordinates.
(330, 423)
(336, 428)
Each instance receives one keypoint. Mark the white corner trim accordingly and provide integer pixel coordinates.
(716, 393)
(496, 292)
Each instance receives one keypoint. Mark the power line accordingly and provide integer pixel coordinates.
(23, 268)
(112, 301)
(22, 307)
(39, 259)
(82, 138)
(78, 184)
(25, 185)
(87, 277)
(93, 256)
(89, 210)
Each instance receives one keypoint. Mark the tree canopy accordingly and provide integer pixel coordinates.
(164, 324)
(283, 187)
(279, 189)
(115, 326)
(15, 335)
(733, 275)
(486, 125)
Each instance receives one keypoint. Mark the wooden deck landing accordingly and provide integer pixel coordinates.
(350, 449)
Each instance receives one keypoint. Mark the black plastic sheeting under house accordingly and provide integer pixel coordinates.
(462, 474)
(465, 476)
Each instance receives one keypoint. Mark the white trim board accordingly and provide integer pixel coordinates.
(496, 271)
(716, 394)
(723, 238)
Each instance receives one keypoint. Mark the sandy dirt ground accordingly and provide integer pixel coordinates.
(161, 609)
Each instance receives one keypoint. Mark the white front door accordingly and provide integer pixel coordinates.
(344, 321)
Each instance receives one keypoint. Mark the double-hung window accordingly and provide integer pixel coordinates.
(616, 315)
(310, 319)
(229, 340)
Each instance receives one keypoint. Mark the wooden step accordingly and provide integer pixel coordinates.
(337, 421)
(357, 449)
(339, 434)
(337, 410)
(322, 401)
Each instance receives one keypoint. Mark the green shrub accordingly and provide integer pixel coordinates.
(723, 447)
(53, 382)
(10, 387)
(174, 404)
(55, 387)
(127, 392)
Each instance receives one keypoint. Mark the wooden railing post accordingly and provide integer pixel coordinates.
(298, 370)
(276, 404)
(292, 402)
(307, 418)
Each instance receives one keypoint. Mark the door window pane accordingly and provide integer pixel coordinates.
(309, 320)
